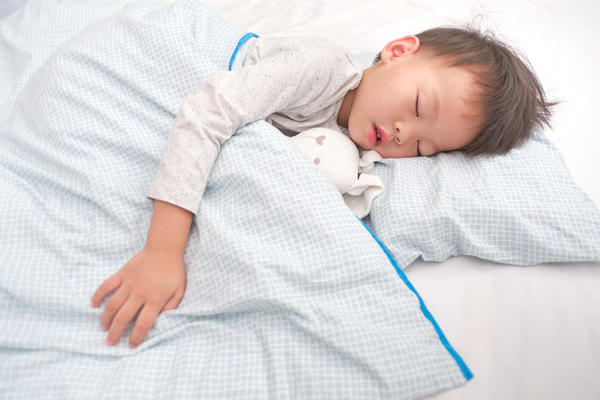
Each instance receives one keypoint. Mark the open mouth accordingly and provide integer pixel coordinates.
(381, 137)
(377, 136)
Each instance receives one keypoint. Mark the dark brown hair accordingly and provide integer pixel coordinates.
(512, 98)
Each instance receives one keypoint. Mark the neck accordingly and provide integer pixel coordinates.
(344, 112)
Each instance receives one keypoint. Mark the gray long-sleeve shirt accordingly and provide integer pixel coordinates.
(293, 83)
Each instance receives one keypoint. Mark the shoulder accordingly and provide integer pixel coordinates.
(307, 51)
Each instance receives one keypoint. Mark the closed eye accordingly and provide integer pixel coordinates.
(417, 113)
(417, 105)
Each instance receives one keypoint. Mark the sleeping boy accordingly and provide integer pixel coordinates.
(445, 89)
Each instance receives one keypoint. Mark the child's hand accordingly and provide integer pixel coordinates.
(153, 281)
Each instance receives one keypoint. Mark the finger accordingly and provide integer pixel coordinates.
(122, 319)
(113, 306)
(107, 286)
(143, 324)
(173, 301)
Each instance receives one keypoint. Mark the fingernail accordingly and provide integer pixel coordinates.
(109, 342)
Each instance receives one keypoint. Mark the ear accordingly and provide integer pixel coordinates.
(400, 47)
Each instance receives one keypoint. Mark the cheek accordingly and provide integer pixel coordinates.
(354, 133)
(355, 122)
(370, 102)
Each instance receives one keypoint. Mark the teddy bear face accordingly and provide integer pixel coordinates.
(333, 153)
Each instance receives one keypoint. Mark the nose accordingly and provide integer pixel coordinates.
(402, 132)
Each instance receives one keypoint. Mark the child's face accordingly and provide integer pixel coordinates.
(406, 82)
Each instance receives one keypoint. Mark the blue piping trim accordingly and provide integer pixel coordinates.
(459, 361)
(240, 43)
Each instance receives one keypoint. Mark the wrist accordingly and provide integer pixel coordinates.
(162, 248)
(169, 228)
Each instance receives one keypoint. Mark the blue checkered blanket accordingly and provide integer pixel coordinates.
(288, 294)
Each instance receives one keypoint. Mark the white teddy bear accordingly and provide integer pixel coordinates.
(337, 156)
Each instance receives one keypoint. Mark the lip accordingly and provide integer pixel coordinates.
(372, 136)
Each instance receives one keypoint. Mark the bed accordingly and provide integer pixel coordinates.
(492, 329)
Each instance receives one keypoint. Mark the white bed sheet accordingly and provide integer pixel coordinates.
(525, 332)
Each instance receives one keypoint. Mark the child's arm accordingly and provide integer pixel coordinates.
(282, 74)
(297, 77)
(152, 281)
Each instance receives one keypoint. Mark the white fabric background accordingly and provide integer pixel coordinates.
(526, 332)
(7, 7)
